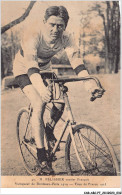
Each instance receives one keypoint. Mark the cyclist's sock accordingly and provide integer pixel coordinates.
(49, 132)
(50, 136)
(41, 154)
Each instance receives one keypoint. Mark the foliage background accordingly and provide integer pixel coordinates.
(94, 25)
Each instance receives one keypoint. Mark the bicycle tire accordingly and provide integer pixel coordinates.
(103, 160)
(29, 158)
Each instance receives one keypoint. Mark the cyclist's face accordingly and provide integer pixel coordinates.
(54, 27)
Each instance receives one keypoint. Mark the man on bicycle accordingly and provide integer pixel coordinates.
(35, 55)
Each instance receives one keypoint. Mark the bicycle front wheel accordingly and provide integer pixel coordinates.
(95, 152)
(26, 142)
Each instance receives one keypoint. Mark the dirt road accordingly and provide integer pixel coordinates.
(104, 113)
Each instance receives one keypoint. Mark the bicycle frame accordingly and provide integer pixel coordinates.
(70, 122)
(75, 131)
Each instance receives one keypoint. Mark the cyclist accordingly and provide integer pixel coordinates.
(35, 55)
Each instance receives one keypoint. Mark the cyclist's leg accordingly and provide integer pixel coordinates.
(56, 111)
(37, 117)
(55, 115)
(38, 107)
(38, 126)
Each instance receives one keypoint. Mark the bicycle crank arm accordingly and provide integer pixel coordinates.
(29, 146)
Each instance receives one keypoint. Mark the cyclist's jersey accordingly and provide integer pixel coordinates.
(36, 53)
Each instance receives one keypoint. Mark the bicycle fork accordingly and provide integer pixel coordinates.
(71, 123)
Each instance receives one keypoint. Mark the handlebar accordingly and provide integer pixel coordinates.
(95, 94)
(73, 79)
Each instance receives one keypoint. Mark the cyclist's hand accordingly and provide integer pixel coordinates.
(46, 94)
(93, 89)
(97, 93)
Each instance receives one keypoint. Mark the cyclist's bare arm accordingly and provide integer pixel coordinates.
(90, 85)
(38, 84)
(79, 67)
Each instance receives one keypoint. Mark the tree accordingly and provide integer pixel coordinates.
(18, 20)
(84, 24)
(10, 44)
(110, 15)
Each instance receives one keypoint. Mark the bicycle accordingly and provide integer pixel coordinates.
(87, 150)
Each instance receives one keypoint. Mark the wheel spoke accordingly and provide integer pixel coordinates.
(97, 147)
(27, 148)
(30, 151)
(96, 155)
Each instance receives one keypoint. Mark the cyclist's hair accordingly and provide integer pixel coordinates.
(57, 11)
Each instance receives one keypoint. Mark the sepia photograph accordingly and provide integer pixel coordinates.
(60, 94)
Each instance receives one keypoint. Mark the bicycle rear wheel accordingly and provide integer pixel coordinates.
(95, 152)
(27, 146)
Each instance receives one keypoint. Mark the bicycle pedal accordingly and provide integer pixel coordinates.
(51, 157)
(54, 158)
(26, 140)
(41, 173)
(32, 140)
(45, 174)
(94, 164)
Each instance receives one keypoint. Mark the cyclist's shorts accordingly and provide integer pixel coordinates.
(23, 80)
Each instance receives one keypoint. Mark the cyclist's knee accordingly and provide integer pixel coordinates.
(37, 104)
(31, 94)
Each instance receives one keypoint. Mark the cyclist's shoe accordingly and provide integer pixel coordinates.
(45, 166)
(46, 169)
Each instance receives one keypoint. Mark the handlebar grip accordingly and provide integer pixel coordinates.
(92, 98)
(95, 94)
